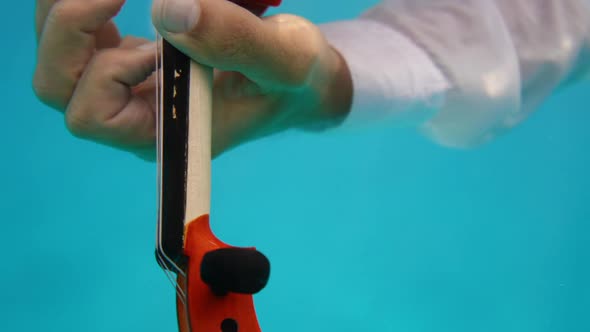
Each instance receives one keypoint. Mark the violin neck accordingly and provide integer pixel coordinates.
(184, 150)
(198, 174)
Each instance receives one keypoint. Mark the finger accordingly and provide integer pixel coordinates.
(279, 50)
(107, 36)
(68, 42)
(109, 103)
(237, 121)
(42, 9)
(133, 42)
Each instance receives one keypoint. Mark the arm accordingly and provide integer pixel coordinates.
(273, 74)
(462, 72)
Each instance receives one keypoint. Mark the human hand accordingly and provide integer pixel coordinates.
(99, 80)
(274, 74)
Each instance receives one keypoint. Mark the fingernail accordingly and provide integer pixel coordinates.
(177, 16)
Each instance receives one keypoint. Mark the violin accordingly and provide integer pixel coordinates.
(214, 281)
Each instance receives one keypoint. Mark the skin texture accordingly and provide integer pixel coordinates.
(272, 74)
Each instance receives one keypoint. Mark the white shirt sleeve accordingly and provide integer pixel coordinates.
(461, 71)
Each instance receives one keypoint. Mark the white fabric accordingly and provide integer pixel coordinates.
(393, 78)
(461, 71)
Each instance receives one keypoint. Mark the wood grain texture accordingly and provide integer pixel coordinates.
(198, 179)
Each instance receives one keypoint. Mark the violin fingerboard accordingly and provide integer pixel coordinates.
(172, 151)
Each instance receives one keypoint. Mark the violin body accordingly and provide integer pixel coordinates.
(231, 312)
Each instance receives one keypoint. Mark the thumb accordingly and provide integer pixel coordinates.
(279, 50)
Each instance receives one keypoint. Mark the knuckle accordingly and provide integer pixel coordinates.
(106, 64)
(77, 125)
(306, 44)
(230, 48)
(64, 12)
(233, 49)
(105, 58)
(42, 90)
(46, 92)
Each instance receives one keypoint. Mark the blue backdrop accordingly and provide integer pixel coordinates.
(372, 231)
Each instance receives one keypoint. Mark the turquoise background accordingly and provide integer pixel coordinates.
(372, 231)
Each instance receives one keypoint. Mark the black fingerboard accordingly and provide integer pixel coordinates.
(174, 122)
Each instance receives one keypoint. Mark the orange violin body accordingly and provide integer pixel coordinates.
(204, 310)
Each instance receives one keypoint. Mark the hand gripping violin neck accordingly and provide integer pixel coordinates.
(214, 282)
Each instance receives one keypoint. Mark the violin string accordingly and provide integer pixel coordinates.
(170, 276)
(182, 297)
(161, 256)
(169, 273)
(168, 263)
(160, 101)
(178, 288)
